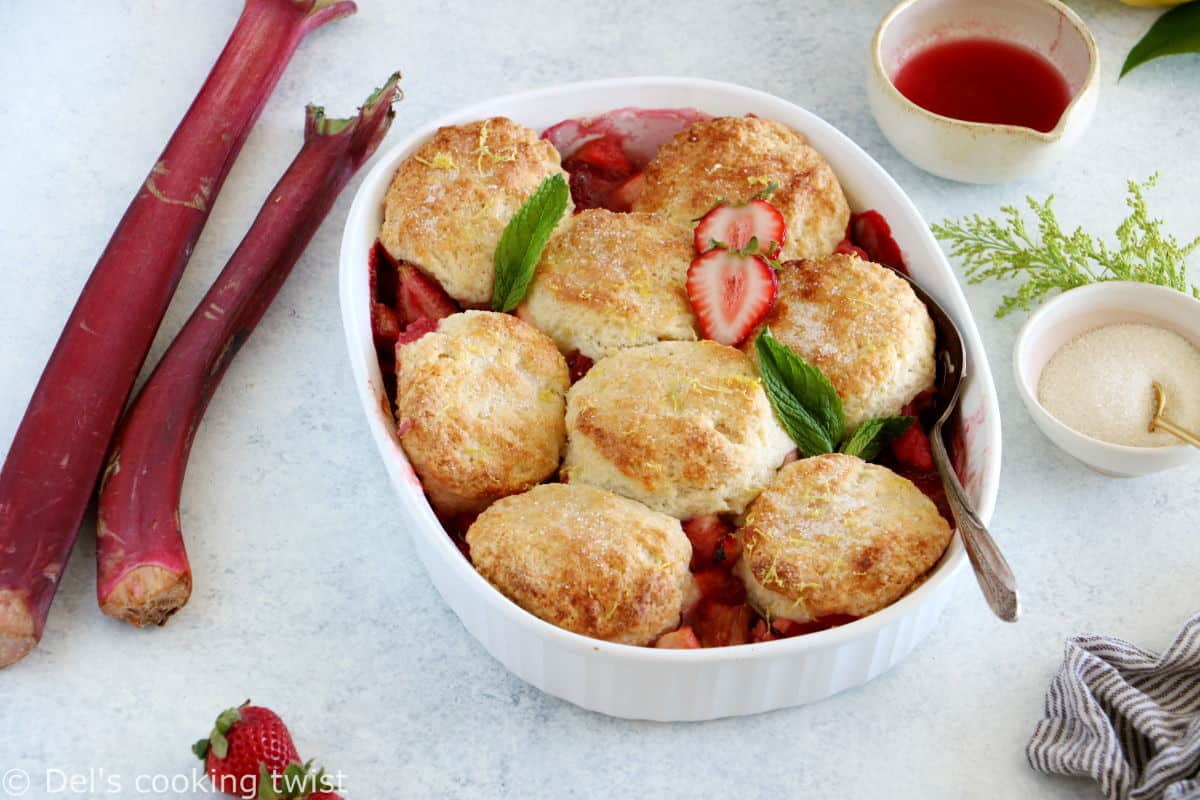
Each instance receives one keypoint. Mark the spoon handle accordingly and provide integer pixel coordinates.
(991, 569)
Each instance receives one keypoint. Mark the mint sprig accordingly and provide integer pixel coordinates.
(870, 437)
(804, 400)
(809, 408)
(523, 240)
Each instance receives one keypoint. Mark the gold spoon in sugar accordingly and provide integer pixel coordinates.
(1159, 421)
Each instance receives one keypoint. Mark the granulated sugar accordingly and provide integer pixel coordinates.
(1099, 383)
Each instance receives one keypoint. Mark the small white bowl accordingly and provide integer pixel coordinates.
(642, 682)
(1080, 310)
(976, 152)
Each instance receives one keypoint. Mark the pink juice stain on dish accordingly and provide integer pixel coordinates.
(986, 80)
(604, 155)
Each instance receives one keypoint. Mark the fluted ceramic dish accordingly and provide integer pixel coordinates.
(645, 683)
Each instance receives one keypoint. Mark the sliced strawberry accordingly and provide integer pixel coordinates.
(420, 297)
(682, 639)
(849, 248)
(719, 624)
(578, 364)
(606, 156)
(416, 329)
(734, 226)
(623, 197)
(719, 584)
(730, 293)
(711, 539)
(382, 274)
(385, 327)
(871, 232)
(911, 449)
(762, 632)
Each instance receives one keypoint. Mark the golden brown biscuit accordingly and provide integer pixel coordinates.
(608, 281)
(733, 159)
(479, 408)
(450, 200)
(586, 560)
(683, 427)
(836, 535)
(862, 325)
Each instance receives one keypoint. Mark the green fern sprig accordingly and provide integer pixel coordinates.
(1052, 260)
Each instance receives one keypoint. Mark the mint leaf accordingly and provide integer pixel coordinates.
(524, 238)
(804, 400)
(1177, 31)
(870, 437)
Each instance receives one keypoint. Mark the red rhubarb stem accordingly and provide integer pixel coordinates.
(144, 575)
(58, 450)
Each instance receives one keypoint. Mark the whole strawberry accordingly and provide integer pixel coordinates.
(250, 754)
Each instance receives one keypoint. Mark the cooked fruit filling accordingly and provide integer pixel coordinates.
(696, 413)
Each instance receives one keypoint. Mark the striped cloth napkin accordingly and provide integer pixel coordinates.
(1125, 717)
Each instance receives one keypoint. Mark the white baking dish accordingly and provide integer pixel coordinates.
(645, 683)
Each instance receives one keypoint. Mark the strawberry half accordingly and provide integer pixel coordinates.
(730, 292)
(734, 226)
(605, 155)
(419, 296)
(848, 248)
(416, 329)
(713, 543)
(623, 197)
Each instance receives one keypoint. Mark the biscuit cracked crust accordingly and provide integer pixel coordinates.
(586, 560)
(608, 281)
(862, 325)
(836, 535)
(683, 427)
(734, 158)
(479, 405)
(449, 201)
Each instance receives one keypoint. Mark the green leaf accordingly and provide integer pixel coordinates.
(870, 437)
(524, 238)
(804, 400)
(200, 748)
(1175, 32)
(220, 745)
(227, 719)
(267, 790)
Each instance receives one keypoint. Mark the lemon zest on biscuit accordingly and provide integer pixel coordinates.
(612, 611)
(482, 150)
(744, 380)
(801, 601)
(759, 180)
(772, 575)
(440, 160)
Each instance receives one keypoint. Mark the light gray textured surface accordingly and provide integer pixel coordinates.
(308, 597)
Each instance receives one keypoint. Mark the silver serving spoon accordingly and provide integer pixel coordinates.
(991, 569)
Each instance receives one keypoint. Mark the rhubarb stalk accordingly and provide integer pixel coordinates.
(144, 575)
(59, 447)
